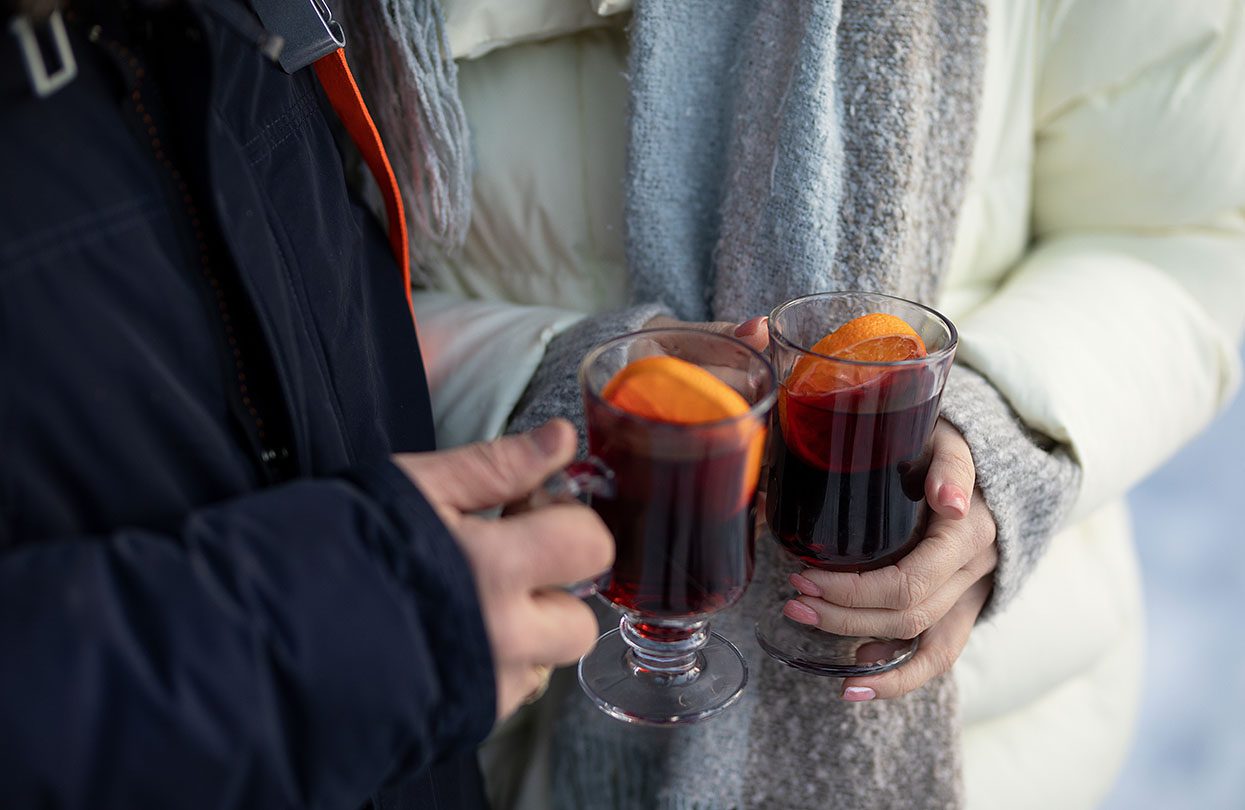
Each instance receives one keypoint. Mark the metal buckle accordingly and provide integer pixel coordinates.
(306, 27)
(42, 82)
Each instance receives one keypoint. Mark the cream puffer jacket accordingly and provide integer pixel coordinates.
(1098, 281)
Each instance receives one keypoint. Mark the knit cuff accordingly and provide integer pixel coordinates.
(554, 389)
(1029, 482)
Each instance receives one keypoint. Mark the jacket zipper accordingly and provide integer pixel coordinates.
(274, 453)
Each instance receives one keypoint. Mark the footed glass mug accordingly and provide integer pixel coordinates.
(680, 500)
(848, 454)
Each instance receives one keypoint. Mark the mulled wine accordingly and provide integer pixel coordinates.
(676, 427)
(862, 375)
(847, 474)
(682, 518)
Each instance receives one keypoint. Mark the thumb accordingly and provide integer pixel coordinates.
(751, 332)
(952, 475)
(487, 474)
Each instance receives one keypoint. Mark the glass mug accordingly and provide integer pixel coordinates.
(680, 501)
(847, 465)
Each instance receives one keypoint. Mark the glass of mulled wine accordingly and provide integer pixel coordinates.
(848, 454)
(677, 488)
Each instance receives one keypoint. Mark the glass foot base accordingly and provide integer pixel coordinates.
(812, 650)
(625, 689)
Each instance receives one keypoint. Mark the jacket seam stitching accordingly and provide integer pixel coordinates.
(74, 233)
(280, 129)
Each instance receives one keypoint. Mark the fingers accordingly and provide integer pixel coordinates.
(514, 561)
(948, 546)
(951, 475)
(489, 474)
(548, 628)
(753, 331)
(555, 545)
(517, 685)
(886, 623)
(565, 626)
(940, 648)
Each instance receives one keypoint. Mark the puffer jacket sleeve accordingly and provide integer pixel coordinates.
(1113, 339)
(291, 648)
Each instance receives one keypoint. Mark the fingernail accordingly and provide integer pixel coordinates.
(546, 437)
(804, 586)
(952, 497)
(858, 694)
(749, 328)
(800, 612)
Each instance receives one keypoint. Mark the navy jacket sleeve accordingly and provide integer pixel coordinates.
(291, 648)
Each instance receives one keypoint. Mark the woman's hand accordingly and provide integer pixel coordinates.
(752, 332)
(938, 589)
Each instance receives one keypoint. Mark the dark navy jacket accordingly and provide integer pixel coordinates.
(215, 590)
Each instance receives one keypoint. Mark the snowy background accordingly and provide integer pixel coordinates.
(1189, 749)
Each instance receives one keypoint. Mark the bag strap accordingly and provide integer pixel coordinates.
(298, 33)
(343, 93)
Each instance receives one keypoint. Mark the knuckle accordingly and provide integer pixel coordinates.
(490, 459)
(598, 542)
(941, 660)
(909, 683)
(987, 529)
(898, 686)
(855, 592)
(911, 589)
(581, 631)
(573, 536)
(913, 622)
(962, 465)
(985, 562)
(842, 589)
(510, 642)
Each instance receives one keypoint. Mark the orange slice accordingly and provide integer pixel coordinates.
(874, 338)
(667, 389)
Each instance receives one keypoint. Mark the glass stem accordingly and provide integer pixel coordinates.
(666, 655)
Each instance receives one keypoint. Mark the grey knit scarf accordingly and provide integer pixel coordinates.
(778, 147)
(781, 147)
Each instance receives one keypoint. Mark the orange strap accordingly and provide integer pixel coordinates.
(339, 85)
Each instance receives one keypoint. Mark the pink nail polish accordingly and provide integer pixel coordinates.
(952, 497)
(800, 612)
(804, 585)
(748, 328)
(858, 694)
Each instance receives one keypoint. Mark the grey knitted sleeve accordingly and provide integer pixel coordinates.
(554, 388)
(1029, 481)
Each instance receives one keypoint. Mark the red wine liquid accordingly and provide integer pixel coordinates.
(847, 475)
(683, 527)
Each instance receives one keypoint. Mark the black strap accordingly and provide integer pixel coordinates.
(306, 27)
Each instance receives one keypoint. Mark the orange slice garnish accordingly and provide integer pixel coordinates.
(874, 338)
(667, 389)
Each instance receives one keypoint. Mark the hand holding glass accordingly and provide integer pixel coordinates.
(847, 464)
(680, 502)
